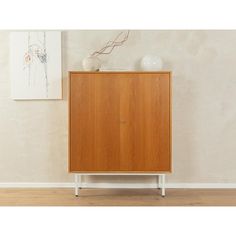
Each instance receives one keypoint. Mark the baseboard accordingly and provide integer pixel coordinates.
(200, 185)
(118, 185)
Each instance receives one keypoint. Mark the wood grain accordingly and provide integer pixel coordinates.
(117, 197)
(120, 122)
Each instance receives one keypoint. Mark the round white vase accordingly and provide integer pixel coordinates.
(151, 63)
(91, 64)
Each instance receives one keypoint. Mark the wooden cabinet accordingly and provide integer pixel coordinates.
(120, 122)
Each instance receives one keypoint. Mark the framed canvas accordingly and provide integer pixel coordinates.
(35, 65)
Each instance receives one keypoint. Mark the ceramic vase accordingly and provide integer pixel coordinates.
(151, 63)
(91, 64)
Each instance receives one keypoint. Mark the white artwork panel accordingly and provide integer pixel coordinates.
(35, 65)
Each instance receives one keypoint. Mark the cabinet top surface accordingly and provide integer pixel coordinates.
(120, 72)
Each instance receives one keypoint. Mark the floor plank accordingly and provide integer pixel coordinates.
(117, 197)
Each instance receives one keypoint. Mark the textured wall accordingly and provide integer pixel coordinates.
(33, 134)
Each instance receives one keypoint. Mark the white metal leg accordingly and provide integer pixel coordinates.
(80, 181)
(159, 181)
(76, 185)
(163, 186)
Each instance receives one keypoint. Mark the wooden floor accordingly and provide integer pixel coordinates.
(117, 197)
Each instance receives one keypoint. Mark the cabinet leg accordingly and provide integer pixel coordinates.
(163, 192)
(159, 182)
(76, 185)
(80, 181)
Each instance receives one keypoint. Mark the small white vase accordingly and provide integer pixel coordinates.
(91, 64)
(151, 63)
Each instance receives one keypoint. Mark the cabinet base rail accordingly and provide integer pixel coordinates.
(160, 181)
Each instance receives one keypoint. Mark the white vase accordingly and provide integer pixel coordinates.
(91, 64)
(151, 63)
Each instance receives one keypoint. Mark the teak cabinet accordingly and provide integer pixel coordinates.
(119, 122)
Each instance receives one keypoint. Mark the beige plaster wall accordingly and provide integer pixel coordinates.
(33, 134)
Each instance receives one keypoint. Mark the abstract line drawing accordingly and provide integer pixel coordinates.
(36, 65)
(36, 51)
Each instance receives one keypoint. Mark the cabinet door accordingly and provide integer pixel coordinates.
(94, 123)
(119, 122)
(145, 122)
